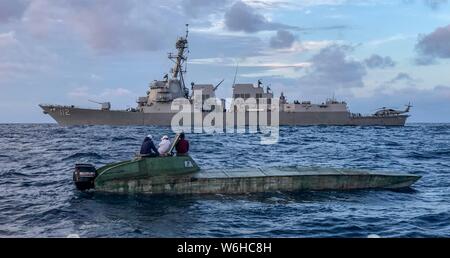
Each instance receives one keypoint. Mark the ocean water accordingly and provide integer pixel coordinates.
(38, 198)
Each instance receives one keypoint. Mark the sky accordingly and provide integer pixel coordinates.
(371, 54)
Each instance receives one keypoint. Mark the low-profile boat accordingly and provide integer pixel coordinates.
(181, 175)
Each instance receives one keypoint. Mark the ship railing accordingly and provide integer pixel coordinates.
(58, 106)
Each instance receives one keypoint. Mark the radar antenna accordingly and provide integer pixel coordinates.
(180, 59)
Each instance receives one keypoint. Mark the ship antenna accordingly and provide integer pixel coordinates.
(188, 51)
(180, 58)
(185, 89)
(235, 74)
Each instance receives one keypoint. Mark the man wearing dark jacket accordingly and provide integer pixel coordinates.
(148, 148)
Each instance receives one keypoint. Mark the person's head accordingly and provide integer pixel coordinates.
(165, 137)
(182, 136)
(149, 137)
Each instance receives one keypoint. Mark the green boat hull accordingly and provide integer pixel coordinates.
(181, 175)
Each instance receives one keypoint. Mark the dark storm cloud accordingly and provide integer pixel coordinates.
(377, 61)
(11, 9)
(242, 17)
(283, 39)
(433, 45)
(332, 69)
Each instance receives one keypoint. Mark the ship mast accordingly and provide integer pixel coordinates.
(180, 58)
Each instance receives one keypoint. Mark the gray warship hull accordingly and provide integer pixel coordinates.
(69, 116)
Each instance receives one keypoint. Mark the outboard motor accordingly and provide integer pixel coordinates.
(84, 176)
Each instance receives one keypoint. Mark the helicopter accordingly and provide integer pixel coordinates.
(384, 111)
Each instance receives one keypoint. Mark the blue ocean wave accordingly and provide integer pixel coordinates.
(37, 196)
(78, 155)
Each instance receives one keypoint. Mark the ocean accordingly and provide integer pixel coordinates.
(38, 198)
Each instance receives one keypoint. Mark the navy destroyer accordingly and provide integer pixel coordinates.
(156, 107)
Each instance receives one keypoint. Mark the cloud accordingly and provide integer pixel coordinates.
(118, 92)
(283, 39)
(443, 91)
(394, 38)
(433, 45)
(332, 69)
(11, 10)
(232, 47)
(432, 4)
(105, 25)
(402, 77)
(118, 25)
(114, 26)
(402, 81)
(8, 39)
(243, 17)
(435, 4)
(80, 92)
(424, 60)
(109, 93)
(203, 8)
(377, 61)
(43, 16)
(19, 60)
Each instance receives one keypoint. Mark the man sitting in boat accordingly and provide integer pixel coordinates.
(182, 146)
(148, 148)
(164, 146)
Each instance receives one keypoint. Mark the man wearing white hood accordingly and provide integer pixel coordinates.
(164, 145)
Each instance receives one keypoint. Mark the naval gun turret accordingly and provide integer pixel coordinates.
(104, 105)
